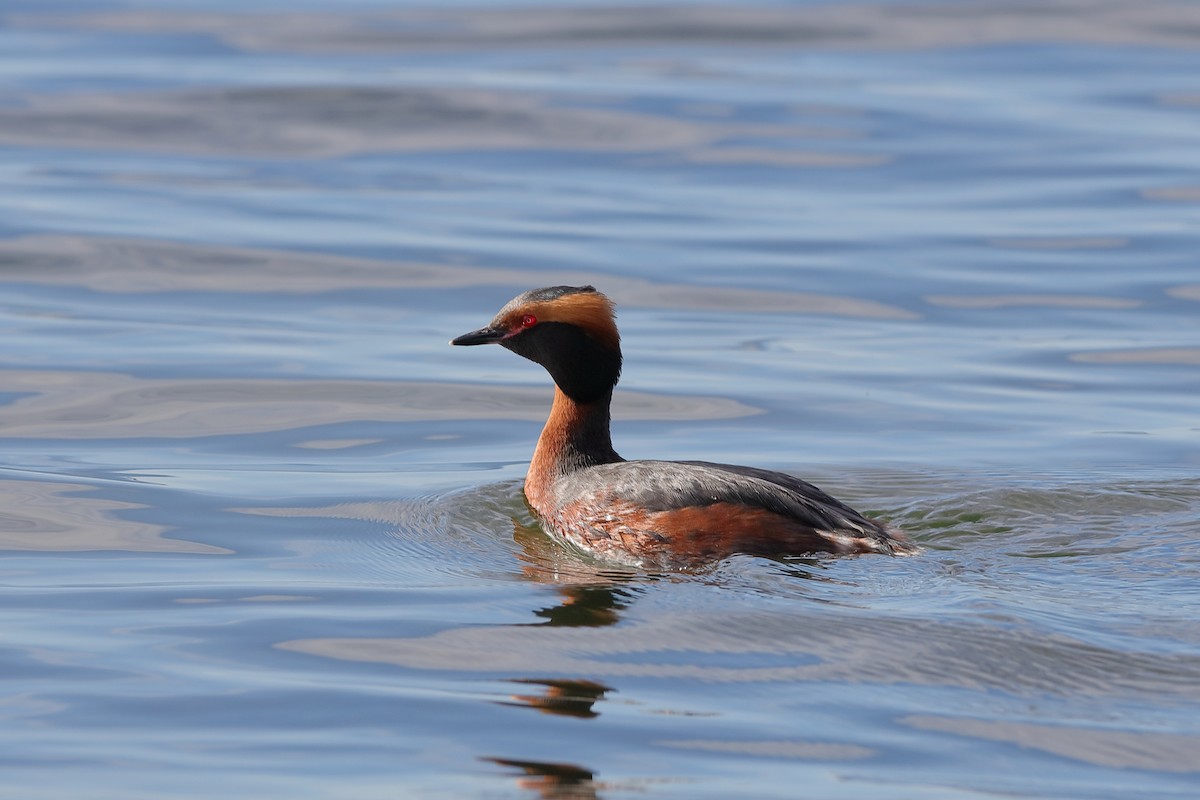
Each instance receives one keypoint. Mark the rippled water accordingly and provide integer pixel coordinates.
(262, 530)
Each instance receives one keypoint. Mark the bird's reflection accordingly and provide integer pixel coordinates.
(562, 697)
(590, 596)
(553, 781)
(586, 606)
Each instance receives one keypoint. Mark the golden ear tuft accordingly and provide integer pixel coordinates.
(591, 311)
(581, 306)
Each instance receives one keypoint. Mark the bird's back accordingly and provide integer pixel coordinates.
(675, 512)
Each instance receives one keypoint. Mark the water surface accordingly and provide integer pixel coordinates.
(262, 530)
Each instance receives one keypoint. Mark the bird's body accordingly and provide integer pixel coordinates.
(661, 513)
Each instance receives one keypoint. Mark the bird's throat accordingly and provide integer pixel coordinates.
(576, 436)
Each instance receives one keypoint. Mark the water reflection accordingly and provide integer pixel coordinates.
(1174, 194)
(847, 25)
(552, 781)
(769, 647)
(989, 301)
(99, 405)
(54, 517)
(562, 697)
(1145, 355)
(815, 751)
(1123, 749)
(586, 607)
(1061, 243)
(137, 266)
(319, 121)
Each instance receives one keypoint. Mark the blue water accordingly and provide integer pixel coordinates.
(262, 530)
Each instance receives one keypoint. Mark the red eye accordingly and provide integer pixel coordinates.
(528, 321)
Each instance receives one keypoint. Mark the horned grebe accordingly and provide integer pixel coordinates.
(651, 513)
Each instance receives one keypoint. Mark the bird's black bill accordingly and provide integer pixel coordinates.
(481, 336)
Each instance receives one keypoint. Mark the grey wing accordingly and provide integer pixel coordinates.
(663, 485)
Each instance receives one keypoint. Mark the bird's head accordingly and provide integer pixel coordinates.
(569, 330)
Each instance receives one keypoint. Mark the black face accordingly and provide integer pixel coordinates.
(584, 369)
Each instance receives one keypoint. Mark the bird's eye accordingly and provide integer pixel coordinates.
(528, 321)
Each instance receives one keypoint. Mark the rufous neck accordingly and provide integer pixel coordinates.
(576, 435)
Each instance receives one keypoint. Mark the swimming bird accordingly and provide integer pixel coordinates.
(650, 513)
